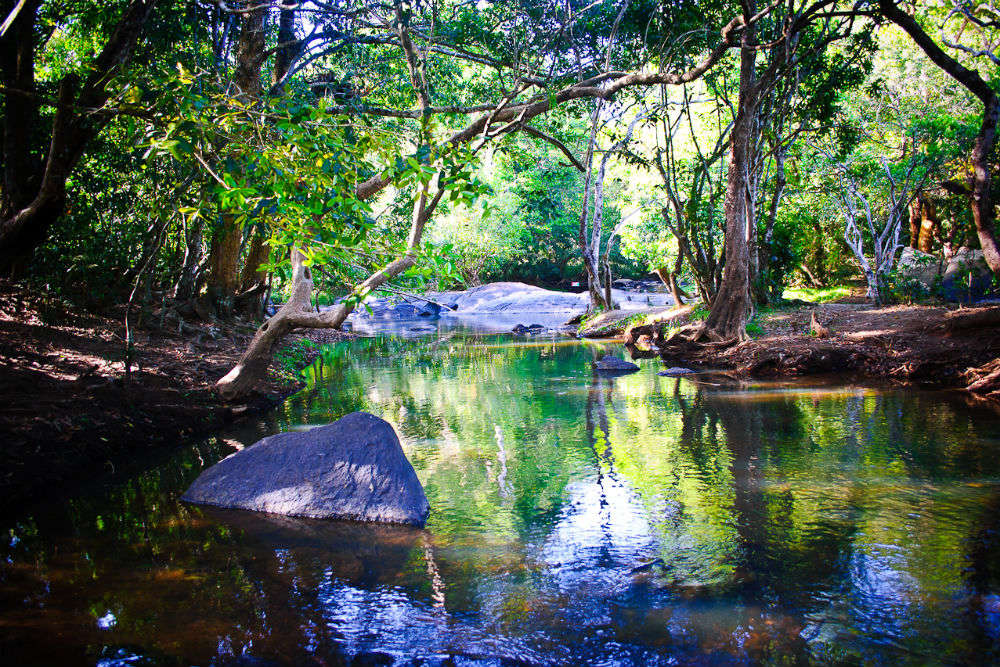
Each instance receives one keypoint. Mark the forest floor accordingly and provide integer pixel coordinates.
(930, 345)
(67, 413)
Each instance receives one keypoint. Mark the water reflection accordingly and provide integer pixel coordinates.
(575, 518)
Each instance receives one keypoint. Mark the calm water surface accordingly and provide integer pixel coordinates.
(576, 519)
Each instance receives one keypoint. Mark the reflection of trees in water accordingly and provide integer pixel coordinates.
(770, 510)
(596, 420)
(598, 438)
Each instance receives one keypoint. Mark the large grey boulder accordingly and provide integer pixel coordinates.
(920, 266)
(967, 276)
(519, 298)
(353, 468)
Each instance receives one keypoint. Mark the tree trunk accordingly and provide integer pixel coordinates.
(669, 278)
(250, 300)
(764, 286)
(224, 264)
(184, 289)
(224, 254)
(584, 233)
(983, 207)
(732, 305)
(915, 223)
(298, 311)
(929, 225)
(287, 50)
(33, 192)
(21, 171)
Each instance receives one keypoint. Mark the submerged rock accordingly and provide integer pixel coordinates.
(610, 362)
(353, 468)
(675, 370)
(375, 553)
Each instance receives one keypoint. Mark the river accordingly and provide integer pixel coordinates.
(575, 519)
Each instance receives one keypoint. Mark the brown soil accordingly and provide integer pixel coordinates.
(67, 412)
(928, 345)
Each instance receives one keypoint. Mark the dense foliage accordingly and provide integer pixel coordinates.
(224, 134)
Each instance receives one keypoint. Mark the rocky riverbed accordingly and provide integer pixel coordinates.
(496, 307)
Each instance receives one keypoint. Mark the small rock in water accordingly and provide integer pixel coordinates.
(610, 362)
(675, 370)
(645, 567)
(530, 329)
(353, 468)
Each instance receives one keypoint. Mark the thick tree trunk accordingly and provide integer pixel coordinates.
(253, 281)
(983, 206)
(21, 170)
(184, 289)
(763, 288)
(733, 306)
(224, 264)
(227, 241)
(915, 223)
(252, 276)
(930, 226)
(288, 49)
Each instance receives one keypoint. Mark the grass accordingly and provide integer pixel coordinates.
(624, 322)
(754, 328)
(818, 294)
(699, 313)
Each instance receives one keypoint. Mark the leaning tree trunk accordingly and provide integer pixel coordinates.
(669, 278)
(732, 305)
(298, 311)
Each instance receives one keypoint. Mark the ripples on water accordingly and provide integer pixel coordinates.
(576, 519)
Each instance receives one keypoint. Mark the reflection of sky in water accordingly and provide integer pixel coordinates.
(575, 519)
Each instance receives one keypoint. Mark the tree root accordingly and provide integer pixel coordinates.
(984, 380)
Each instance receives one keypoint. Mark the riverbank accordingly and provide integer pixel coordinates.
(927, 345)
(67, 412)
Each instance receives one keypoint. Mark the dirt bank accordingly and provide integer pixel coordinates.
(927, 345)
(67, 413)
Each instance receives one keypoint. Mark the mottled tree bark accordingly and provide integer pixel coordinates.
(930, 226)
(732, 306)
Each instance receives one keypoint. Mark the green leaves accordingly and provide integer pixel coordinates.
(293, 167)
